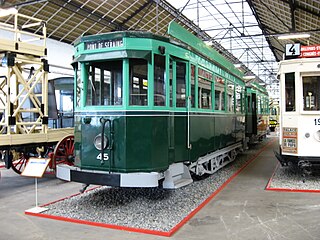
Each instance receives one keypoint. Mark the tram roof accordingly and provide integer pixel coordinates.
(68, 20)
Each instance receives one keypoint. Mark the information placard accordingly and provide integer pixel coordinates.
(36, 167)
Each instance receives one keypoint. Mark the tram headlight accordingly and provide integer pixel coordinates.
(317, 135)
(307, 135)
(98, 142)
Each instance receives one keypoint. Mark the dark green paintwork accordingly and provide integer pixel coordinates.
(141, 143)
(177, 31)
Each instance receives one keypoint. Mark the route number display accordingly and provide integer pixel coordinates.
(293, 50)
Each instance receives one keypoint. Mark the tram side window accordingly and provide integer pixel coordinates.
(219, 94)
(311, 93)
(249, 104)
(230, 97)
(204, 91)
(138, 89)
(238, 99)
(104, 83)
(79, 85)
(193, 87)
(159, 80)
(181, 84)
(171, 83)
(290, 92)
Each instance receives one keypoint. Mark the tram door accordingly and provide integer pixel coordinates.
(178, 150)
(252, 114)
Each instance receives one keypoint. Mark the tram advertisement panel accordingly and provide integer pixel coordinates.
(290, 140)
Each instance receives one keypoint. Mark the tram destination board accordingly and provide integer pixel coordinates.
(99, 44)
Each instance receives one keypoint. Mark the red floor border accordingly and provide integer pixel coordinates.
(148, 231)
(269, 188)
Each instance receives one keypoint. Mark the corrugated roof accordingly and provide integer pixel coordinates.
(68, 19)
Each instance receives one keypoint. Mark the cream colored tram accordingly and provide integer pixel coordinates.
(300, 112)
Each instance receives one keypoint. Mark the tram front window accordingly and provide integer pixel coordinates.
(138, 89)
(290, 92)
(311, 93)
(104, 86)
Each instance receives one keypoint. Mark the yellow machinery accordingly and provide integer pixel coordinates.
(24, 71)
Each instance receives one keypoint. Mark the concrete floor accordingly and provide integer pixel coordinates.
(242, 210)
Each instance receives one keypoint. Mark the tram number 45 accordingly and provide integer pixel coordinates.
(105, 156)
(317, 121)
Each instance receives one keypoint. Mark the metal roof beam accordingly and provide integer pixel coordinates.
(243, 48)
(175, 13)
(292, 4)
(223, 28)
(101, 18)
(262, 27)
(137, 12)
(86, 13)
(300, 7)
(27, 3)
(136, 24)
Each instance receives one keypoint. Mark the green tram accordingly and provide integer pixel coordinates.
(257, 112)
(151, 111)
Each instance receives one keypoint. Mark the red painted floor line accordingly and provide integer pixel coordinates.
(269, 188)
(148, 231)
(205, 202)
(97, 224)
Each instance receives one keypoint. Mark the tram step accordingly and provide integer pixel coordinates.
(178, 175)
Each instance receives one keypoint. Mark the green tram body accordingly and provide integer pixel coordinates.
(161, 105)
(257, 112)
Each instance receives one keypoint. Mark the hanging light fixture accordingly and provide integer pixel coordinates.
(293, 36)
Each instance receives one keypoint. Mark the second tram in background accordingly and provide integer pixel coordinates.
(300, 108)
(257, 112)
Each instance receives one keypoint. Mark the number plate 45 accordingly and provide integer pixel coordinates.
(105, 157)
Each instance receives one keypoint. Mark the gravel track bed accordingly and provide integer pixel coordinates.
(291, 177)
(147, 208)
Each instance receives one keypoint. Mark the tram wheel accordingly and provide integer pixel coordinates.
(64, 152)
(19, 165)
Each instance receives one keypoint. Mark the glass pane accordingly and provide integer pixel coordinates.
(181, 84)
(170, 83)
(204, 91)
(104, 83)
(238, 99)
(138, 89)
(193, 88)
(204, 88)
(159, 80)
(79, 85)
(249, 104)
(290, 92)
(230, 90)
(219, 93)
(311, 93)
